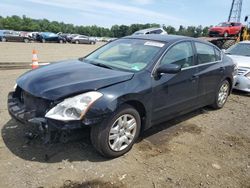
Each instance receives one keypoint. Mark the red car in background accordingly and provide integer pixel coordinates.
(226, 29)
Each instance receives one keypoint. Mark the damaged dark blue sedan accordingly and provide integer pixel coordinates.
(123, 88)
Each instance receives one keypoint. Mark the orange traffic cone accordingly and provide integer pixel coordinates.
(34, 64)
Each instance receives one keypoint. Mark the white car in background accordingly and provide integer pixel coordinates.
(240, 53)
(160, 31)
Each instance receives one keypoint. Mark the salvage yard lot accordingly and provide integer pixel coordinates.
(205, 148)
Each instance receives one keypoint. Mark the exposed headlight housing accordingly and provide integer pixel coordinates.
(73, 108)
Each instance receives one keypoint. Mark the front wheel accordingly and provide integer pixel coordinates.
(222, 95)
(226, 34)
(117, 135)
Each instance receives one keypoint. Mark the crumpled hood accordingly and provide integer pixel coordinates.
(66, 78)
(241, 61)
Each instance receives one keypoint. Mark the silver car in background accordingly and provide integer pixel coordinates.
(240, 53)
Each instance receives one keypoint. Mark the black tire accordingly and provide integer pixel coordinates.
(3, 39)
(217, 104)
(226, 34)
(227, 44)
(100, 133)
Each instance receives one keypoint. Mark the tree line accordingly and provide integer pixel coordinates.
(42, 25)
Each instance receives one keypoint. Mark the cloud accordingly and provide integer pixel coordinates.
(109, 10)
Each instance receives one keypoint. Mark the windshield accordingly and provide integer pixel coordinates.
(239, 49)
(224, 24)
(126, 54)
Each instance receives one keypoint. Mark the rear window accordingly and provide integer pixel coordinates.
(205, 53)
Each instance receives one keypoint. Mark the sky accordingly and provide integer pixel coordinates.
(106, 13)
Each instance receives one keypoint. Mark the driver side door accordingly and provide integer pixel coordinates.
(174, 94)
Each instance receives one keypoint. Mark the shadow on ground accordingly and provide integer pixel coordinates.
(241, 93)
(81, 150)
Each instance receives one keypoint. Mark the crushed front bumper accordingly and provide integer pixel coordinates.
(242, 83)
(49, 130)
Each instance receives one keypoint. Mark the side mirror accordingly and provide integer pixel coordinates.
(169, 69)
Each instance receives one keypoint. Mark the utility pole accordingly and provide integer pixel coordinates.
(235, 11)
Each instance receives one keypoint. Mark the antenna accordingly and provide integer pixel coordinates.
(235, 11)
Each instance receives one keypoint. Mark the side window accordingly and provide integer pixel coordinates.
(205, 53)
(180, 54)
(217, 54)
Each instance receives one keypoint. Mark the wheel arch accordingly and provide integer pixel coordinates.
(230, 83)
(141, 110)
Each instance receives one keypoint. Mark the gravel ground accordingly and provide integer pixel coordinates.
(16, 52)
(205, 148)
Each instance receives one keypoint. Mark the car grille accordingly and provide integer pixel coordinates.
(31, 103)
(242, 71)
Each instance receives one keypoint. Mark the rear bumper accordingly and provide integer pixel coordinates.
(48, 129)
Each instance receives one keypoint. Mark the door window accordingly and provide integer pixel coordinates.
(181, 54)
(205, 53)
(217, 54)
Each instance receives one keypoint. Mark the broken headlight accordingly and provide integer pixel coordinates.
(73, 108)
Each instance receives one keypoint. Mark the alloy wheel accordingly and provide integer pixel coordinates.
(223, 94)
(122, 132)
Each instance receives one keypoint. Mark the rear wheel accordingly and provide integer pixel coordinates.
(43, 40)
(117, 135)
(60, 41)
(77, 42)
(222, 95)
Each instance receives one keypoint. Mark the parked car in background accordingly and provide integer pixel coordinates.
(123, 88)
(151, 31)
(70, 37)
(13, 36)
(83, 39)
(240, 53)
(49, 37)
(226, 29)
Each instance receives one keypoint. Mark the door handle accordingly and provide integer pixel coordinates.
(194, 78)
(222, 69)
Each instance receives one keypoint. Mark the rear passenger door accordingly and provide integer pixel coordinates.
(210, 71)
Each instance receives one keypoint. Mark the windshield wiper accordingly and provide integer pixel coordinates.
(102, 65)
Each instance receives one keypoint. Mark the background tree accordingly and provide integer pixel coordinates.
(42, 25)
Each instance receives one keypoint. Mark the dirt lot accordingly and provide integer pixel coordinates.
(204, 148)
